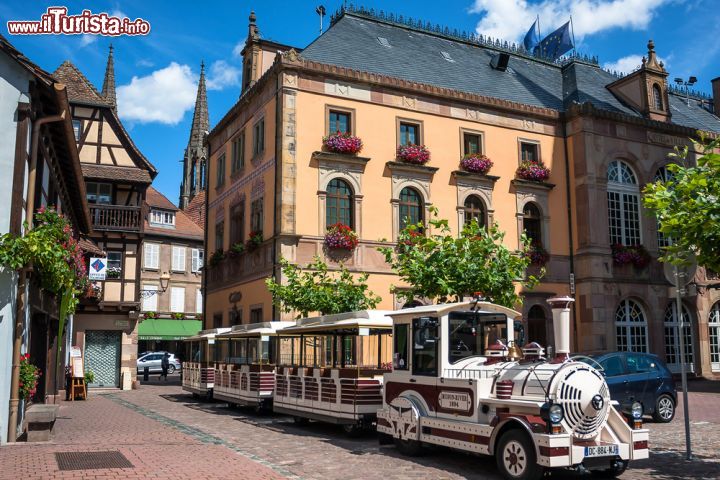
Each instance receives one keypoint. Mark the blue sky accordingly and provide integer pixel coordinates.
(157, 74)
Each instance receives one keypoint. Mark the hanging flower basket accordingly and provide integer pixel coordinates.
(340, 236)
(538, 255)
(476, 163)
(29, 375)
(342, 143)
(255, 240)
(533, 171)
(416, 154)
(636, 255)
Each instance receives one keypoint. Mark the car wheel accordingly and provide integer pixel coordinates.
(664, 409)
(171, 369)
(515, 457)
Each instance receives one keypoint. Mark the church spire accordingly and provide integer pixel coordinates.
(195, 161)
(108, 88)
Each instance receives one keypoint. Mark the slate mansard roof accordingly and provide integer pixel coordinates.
(364, 42)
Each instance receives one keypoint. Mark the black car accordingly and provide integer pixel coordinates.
(639, 377)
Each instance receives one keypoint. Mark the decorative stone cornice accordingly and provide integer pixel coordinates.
(340, 158)
(473, 176)
(403, 167)
(522, 184)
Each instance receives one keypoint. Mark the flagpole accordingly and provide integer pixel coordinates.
(572, 30)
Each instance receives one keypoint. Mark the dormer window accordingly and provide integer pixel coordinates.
(657, 97)
(162, 218)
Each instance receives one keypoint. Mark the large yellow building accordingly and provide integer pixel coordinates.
(391, 82)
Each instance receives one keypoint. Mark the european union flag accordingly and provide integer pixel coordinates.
(531, 38)
(557, 44)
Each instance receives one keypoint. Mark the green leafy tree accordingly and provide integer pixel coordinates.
(687, 206)
(315, 289)
(444, 267)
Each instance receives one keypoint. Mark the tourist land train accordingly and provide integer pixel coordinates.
(449, 374)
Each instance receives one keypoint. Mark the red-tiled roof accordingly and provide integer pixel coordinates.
(156, 199)
(108, 172)
(78, 86)
(196, 209)
(184, 227)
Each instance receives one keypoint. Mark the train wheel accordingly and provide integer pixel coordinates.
(411, 448)
(352, 429)
(515, 457)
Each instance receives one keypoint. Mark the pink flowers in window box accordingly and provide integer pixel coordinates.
(342, 143)
(476, 163)
(417, 154)
(534, 171)
(633, 254)
(341, 236)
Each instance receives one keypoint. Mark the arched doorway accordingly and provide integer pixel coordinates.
(537, 325)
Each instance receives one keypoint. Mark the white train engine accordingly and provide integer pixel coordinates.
(460, 381)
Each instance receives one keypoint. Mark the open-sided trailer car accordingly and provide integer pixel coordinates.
(247, 358)
(331, 368)
(198, 372)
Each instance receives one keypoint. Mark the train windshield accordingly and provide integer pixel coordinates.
(470, 333)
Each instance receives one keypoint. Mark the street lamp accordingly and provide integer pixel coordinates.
(164, 283)
(689, 83)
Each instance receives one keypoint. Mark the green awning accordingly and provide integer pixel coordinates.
(167, 329)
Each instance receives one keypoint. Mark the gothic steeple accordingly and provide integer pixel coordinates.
(108, 88)
(194, 163)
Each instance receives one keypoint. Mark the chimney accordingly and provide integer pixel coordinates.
(561, 325)
(716, 95)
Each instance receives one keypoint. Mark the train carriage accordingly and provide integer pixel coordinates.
(198, 372)
(246, 366)
(331, 368)
(460, 380)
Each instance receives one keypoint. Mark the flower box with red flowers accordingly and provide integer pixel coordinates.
(476, 163)
(341, 236)
(538, 255)
(636, 255)
(216, 257)
(533, 171)
(255, 240)
(415, 154)
(342, 143)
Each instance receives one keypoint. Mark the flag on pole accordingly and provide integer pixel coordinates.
(531, 37)
(557, 44)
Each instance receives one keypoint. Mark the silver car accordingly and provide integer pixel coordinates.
(154, 361)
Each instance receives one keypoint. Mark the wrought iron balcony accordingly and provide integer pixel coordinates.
(118, 218)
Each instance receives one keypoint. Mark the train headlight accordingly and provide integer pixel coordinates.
(552, 413)
(636, 410)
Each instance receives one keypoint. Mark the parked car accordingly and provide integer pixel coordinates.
(154, 361)
(639, 377)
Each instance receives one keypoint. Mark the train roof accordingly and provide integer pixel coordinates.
(349, 320)
(208, 334)
(444, 308)
(256, 329)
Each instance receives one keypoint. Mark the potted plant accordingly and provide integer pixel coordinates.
(538, 255)
(255, 240)
(216, 257)
(237, 248)
(177, 316)
(342, 237)
(476, 163)
(29, 376)
(150, 315)
(89, 377)
(533, 171)
(342, 143)
(636, 255)
(415, 154)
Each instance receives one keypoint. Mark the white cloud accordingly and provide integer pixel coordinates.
(118, 13)
(222, 75)
(87, 39)
(628, 64)
(237, 50)
(511, 19)
(163, 96)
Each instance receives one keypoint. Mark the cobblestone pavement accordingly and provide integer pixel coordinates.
(166, 433)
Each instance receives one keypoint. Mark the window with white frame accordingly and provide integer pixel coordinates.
(198, 301)
(197, 260)
(630, 327)
(714, 335)
(178, 258)
(151, 258)
(162, 218)
(672, 338)
(623, 194)
(177, 299)
(149, 304)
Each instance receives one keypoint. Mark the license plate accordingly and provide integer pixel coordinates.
(601, 451)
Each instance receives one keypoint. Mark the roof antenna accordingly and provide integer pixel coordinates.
(320, 10)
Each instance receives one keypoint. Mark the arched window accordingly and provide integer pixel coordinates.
(657, 97)
(537, 330)
(623, 196)
(532, 223)
(338, 205)
(630, 327)
(672, 338)
(411, 207)
(714, 327)
(474, 208)
(662, 175)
